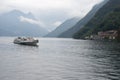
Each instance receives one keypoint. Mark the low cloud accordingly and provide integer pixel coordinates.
(31, 21)
(49, 11)
(57, 23)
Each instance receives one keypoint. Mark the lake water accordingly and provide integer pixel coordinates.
(60, 59)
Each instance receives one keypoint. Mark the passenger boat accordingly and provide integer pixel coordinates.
(26, 41)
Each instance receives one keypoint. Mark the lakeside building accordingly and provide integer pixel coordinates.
(110, 35)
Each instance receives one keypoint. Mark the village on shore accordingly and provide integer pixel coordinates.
(105, 35)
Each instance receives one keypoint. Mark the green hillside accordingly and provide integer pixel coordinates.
(107, 18)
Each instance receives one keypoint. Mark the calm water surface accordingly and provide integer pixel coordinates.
(60, 59)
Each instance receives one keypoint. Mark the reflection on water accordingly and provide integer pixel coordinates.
(60, 59)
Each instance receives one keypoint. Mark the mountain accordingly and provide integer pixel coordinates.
(63, 27)
(6, 33)
(17, 23)
(69, 33)
(107, 18)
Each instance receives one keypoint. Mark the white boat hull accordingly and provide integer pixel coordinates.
(32, 43)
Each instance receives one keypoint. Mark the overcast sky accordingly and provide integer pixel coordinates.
(51, 13)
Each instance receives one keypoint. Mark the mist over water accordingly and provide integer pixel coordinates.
(60, 59)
